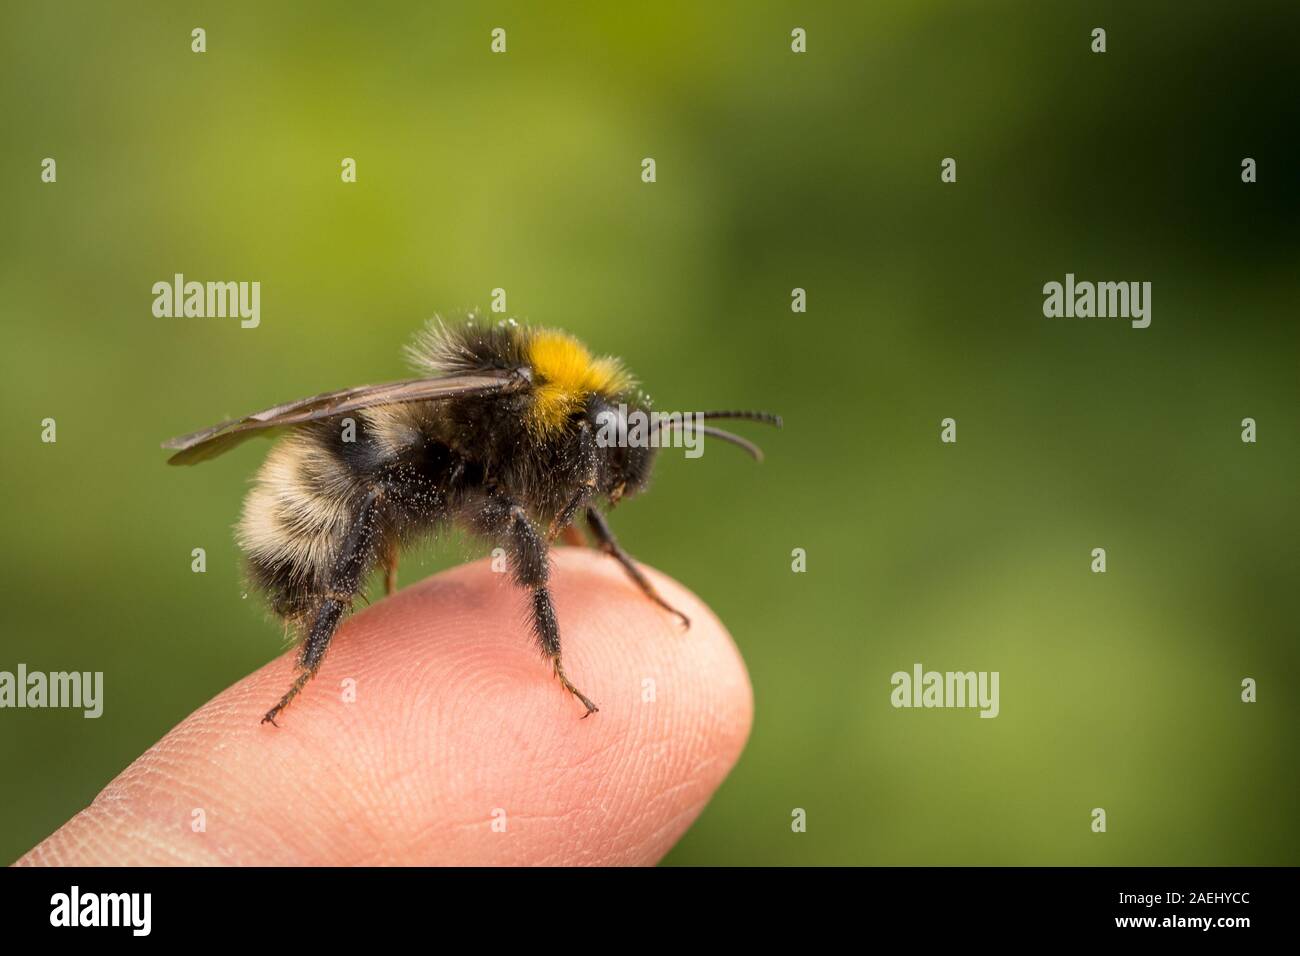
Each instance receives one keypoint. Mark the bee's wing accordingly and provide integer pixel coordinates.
(202, 445)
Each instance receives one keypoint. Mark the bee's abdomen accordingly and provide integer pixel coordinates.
(307, 497)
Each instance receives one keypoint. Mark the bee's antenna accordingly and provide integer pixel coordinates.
(767, 418)
(754, 451)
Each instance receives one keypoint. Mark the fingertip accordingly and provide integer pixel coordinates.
(435, 733)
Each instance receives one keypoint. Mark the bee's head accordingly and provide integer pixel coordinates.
(569, 385)
(624, 449)
(627, 436)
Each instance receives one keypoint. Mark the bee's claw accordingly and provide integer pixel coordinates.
(568, 685)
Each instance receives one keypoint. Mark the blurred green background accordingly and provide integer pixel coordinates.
(775, 170)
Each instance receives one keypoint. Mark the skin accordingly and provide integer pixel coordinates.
(456, 714)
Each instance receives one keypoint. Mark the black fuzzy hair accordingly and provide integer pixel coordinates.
(469, 346)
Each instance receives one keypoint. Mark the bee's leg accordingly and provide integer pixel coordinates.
(354, 558)
(606, 541)
(548, 634)
(563, 522)
(572, 535)
(390, 569)
(508, 523)
(328, 615)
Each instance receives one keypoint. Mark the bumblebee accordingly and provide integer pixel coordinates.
(500, 435)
